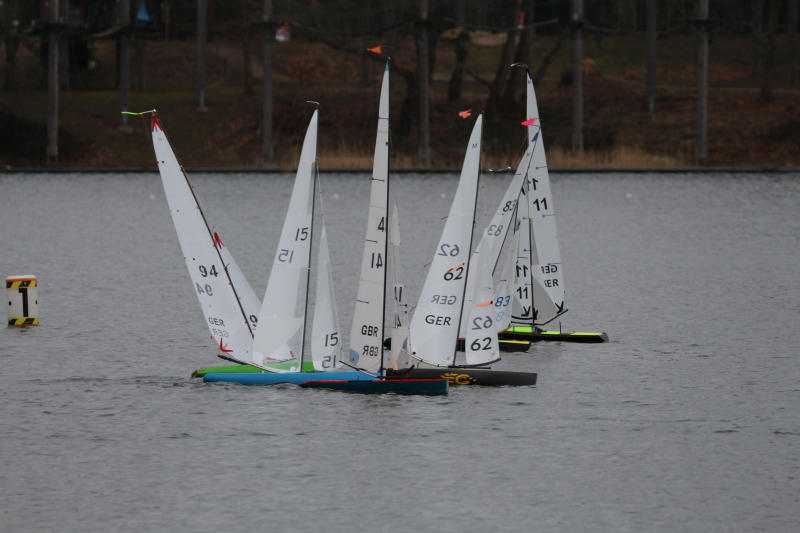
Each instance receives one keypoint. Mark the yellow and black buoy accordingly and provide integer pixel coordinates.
(22, 301)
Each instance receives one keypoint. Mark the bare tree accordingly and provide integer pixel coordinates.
(702, 83)
(577, 75)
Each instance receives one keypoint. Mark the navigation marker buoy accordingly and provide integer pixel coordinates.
(22, 300)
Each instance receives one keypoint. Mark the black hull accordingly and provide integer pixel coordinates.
(469, 376)
(507, 345)
(552, 336)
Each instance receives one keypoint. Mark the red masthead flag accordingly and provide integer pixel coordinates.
(376, 49)
(466, 113)
(528, 122)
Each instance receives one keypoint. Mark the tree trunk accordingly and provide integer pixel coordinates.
(202, 31)
(423, 68)
(757, 36)
(769, 50)
(791, 35)
(577, 75)
(267, 150)
(456, 79)
(652, 29)
(52, 83)
(514, 93)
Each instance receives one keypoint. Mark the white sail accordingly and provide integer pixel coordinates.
(496, 232)
(280, 335)
(435, 323)
(399, 354)
(366, 334)
(522, 305)
(546, 271)
(504, 287)
(480, 342)
(326, 345)
(241, 287)
(211, 273)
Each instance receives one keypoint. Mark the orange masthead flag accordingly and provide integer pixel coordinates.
(528, 122)
(466, 113)
(376, 49)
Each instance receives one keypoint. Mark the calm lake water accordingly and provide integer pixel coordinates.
(688, 420)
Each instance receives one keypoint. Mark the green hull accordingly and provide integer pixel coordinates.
(527, 333)
(239, 369)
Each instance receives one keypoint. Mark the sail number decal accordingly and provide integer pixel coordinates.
(477, 346)
(508, 206)
(444, 299)
(541, 205)
(502, 301)
(482, 322)
(437, 320)
(329, 361)
(301, 234)
(332, 339)
(204, 289)
(494, 230)
(454, 273)
(376, 261)
(285, 255)
(450, 250)
(205, 271)
(369, 331)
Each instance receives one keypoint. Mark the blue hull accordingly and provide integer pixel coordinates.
(272, 378)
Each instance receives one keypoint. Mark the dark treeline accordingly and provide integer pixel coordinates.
(409, 31)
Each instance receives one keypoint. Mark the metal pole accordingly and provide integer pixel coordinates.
(124, 58)
(267, 151)
(577, 75)
(702, 84)
(52, 83)
(652, 28)
(424, 112)
(202, 30)
(791, 35)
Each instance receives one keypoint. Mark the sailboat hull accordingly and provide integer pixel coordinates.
(240, 369)
(469, 376)
(381, 386)
(274, 378)
(506, 345)
(529, 334)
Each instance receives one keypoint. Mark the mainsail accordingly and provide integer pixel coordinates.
(435, 323)
(225, 296)
(281, 332)
(366, 334)
(543, 254)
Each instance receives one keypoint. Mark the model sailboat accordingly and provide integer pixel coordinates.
(226, 298)
(366, 334)
(539, 296)
(278, 346)
(442, 304)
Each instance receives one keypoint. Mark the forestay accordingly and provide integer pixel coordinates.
(326, 345)
(280, 335)
(210, 266)
(435, 323)
(366, 334)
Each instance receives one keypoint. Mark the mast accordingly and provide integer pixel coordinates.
(385, 221)
(471, 236)
(315, 170)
